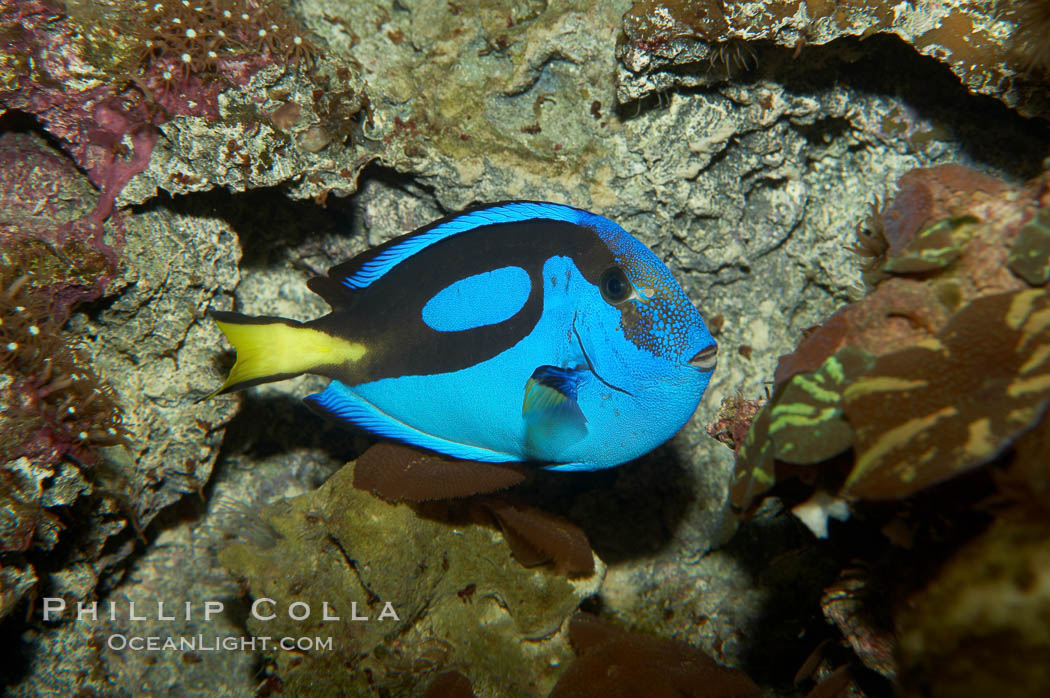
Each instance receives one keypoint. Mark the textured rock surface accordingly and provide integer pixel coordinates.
(400, 584)
(143, 348)
(151, 342)
(668, 43)
(281, 129)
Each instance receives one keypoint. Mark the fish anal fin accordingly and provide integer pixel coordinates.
(340, 403)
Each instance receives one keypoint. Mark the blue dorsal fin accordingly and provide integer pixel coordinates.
(366, 268)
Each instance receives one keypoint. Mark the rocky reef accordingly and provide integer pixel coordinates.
(854, 194)
(927, 396)
(453, 587)
(995, 49)
(940, 366)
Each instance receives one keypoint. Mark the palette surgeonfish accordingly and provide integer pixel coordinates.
(513, 332)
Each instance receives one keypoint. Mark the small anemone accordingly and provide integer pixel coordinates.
(731, 57)
(871, 244)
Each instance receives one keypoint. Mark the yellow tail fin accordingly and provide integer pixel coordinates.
(270, 349)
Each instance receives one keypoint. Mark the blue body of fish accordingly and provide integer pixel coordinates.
(520, 331)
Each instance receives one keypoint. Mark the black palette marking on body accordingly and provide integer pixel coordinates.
(386, 316)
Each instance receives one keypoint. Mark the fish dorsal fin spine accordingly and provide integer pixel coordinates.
(364, 270)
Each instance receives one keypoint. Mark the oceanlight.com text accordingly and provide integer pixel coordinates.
(215, 643)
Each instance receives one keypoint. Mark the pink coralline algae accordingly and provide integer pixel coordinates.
(108, 134)
(56, 410)
(51, 223)
(101, 77)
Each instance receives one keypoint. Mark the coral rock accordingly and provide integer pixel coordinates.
(352, 550)
(664, 38)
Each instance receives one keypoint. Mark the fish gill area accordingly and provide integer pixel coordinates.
(855, 195)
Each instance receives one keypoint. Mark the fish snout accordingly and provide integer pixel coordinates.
(706, 359)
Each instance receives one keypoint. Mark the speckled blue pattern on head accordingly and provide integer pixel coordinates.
(663, 321)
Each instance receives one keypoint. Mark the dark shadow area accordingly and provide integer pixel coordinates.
(268, 426)
(630, 511)
(265, 427)
(15, 121)
(274, 229)
(18, 654)
(269, 225)
(633, 510)
(627, 512)
(987, 130)
(795, 570)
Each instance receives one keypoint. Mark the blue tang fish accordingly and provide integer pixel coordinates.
(518, 331)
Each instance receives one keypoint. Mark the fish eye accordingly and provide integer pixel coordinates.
(614, 286)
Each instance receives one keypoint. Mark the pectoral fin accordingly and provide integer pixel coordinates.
(553, 419)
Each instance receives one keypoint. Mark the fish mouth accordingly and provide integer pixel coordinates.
(706, 359)
(590, 364)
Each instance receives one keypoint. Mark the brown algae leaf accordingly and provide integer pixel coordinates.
(1027, 480)
(807, 424)
(899, 312)
(1030, 256)
(926, 195)
(803, 424)
(934, 247)
(614, 662)
(537, 536)
(401, 473)
(939, 408)
(450, 684)
(754, 472)
(916, 416)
